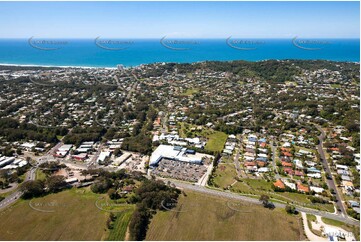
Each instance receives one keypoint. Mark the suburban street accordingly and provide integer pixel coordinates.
(277, 175)
(236, 163)
(330, 182)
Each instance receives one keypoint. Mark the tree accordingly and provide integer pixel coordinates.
(55, 183)
(139, 223)
(32, 188)
(112, 193)
(84, 173)
(101, 186)
(290, 209)
(264, 199)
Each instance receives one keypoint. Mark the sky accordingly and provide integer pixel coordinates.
(179, 19)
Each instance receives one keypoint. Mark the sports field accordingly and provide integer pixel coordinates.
(202, 217)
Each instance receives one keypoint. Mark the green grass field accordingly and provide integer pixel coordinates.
(259, 186)
(120, 226)
(191, 91)
(335, 85)
(224, 175)
(68, 215)
(40, 175)
(203, 217)
(216, 141)
(311, 217)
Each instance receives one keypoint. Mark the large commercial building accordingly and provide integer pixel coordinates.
(173, 153)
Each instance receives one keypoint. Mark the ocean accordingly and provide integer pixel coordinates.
(112, 52)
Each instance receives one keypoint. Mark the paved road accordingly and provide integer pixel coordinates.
(277, 175)
(230, 195)
(236, 162)
(30, 175)
(13, 197)
(330, 182)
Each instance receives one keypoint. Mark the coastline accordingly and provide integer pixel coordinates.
(113, 68)
(56, 66)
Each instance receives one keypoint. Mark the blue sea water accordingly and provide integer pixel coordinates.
(110, 53)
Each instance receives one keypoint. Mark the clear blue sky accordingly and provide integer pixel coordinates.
(179, 19)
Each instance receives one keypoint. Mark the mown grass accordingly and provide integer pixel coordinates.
(216, 141)
(335, 85)
(259, 186)
(224, 175)
(311, 217)
(119, 230)
(40, 175)
(203, 217)
(67, 215)
(191, 91)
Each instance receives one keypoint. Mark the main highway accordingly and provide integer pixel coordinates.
(30, 175)
(235, 196)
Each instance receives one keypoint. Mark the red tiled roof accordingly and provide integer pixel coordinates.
(287, 154)
(250, 163)
(287, 164)
(285, 149)
(279, 184)
(298, 173)
(302, 188)
(289, 171)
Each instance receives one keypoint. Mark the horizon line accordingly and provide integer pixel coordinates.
(157, 38)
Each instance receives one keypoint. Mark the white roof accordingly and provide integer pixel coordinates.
(28, 145)
(81, 150)
(65, 147)
(263, 169)
(163, 151)
(316, 175)
(290, 185)
(168, 151)
(342, 167)
(103, 155)
(69, 180)
(316, 189)
(262, 155)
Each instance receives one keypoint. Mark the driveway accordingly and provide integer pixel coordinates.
(311, 236)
